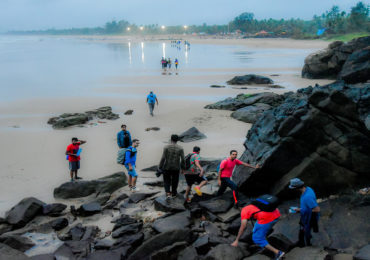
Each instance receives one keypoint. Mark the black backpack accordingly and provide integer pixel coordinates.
(187, 161)
(267, 203)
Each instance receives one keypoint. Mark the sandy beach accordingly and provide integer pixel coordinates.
(33, 161)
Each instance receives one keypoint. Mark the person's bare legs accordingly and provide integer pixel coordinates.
(202, 184)
(76, 174)
(71, 172)
(134, 181)
(188, 188)
(129, 181)
(272, 249)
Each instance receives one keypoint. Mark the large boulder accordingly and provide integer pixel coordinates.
(317, 134)
(79, 189)
(173, 222)
(329, 62)
(249, 80)
(219, 204)
(173, 205)
(24, 212)
(363, 253)
(357, 67)
(250, 114)
(159, 242)
(192, 134)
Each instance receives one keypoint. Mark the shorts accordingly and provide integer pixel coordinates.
(194, 178)
(133, 172)
(74, 166)
(260, 231)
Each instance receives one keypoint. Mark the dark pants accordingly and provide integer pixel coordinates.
(171, 181)
(304, 237)
(227, 182)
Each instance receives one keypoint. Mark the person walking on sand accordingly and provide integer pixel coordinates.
(123, 138)
(195, 174)
(265, 222)
(73, 155)
(162, 62)
(309, 210)
(225, 172)
(169, 63)
(171, 163)
(176, 63)
(130, 164)
(151, 99)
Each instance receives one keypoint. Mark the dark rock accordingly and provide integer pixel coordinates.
(250, 114)
(103, 244)
(5, 228)
(229, 216)
(234, 226)
(363, 253)
(160, 241)
(224, 251)
(24, 212)
(275, 86)
(105, 254)
(17, 242)
(59, 223)
(320, 137)
(219, 204)
(173, 205)
(212, 230)
(127, 229)
(258, 257)
(188, 253)
(129, 112)
(210, 164)
(216, 86)
(123, 220)
(89, 209)
(43, 257)
(76, 233)
(101, 198)
(64, 252)
(113, 203)
(85, 188)
(202, 245)
(90, 233)
(190, 135)
(155, 183)
(152, 129)
(54, 209)
(357, 67)
(329, 62)
(169, 252)
(133, 241)
(9, 253)
(79, 248)
(137, 197)
(173, 222)
(153, 168)
(281, 242)
(306, 253)
(249, 80)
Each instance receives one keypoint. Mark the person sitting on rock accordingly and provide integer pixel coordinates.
(225, 172)
(73, 153)
(195, 174)
(309, 210)
(264, 224)
(130, 164)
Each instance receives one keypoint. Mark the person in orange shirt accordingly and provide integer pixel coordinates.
(265, 222)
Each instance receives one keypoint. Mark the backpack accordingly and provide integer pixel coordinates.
(188, 161)
(267, 203)
(121, 156)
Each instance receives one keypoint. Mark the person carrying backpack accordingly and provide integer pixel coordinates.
(130, 164)
(194, 173)
(225, 172)
(264, 210)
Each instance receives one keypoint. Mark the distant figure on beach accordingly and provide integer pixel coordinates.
(169, 62)
(225, 172)
(309, 210)
(172, 162)
(130, 164)
(123, 138)
(73, 154)
(176, 63)
(162, 62)
(151, 99)
(195, 174)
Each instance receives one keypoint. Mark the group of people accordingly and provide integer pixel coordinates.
(168, 63)
(173, 162)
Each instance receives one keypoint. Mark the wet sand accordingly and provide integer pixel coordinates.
(32, 158)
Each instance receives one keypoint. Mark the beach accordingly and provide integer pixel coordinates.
(33, 161)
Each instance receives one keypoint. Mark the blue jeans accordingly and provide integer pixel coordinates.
(133, 172)
(260, 232)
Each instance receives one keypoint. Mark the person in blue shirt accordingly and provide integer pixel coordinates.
(130, 164)
(309, 210)
(151, 99)
(123, 138)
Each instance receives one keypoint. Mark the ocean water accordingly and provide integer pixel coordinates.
(40, 66)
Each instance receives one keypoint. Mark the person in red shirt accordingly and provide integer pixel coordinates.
(265, 222)
(73, 157)
(226, 171)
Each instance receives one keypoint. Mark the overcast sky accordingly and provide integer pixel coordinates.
(44, 14)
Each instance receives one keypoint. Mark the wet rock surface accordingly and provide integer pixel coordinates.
(249, 80)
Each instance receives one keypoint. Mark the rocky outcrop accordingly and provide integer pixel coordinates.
(250, 114)
(357, 67)
(317, 134)
(328, 63)
(190, 135)
(71, 119)
(79, 189)
(249, 80)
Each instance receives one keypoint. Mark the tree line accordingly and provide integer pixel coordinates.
(334, 21)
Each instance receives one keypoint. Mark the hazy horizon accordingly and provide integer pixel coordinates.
(64, 14)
